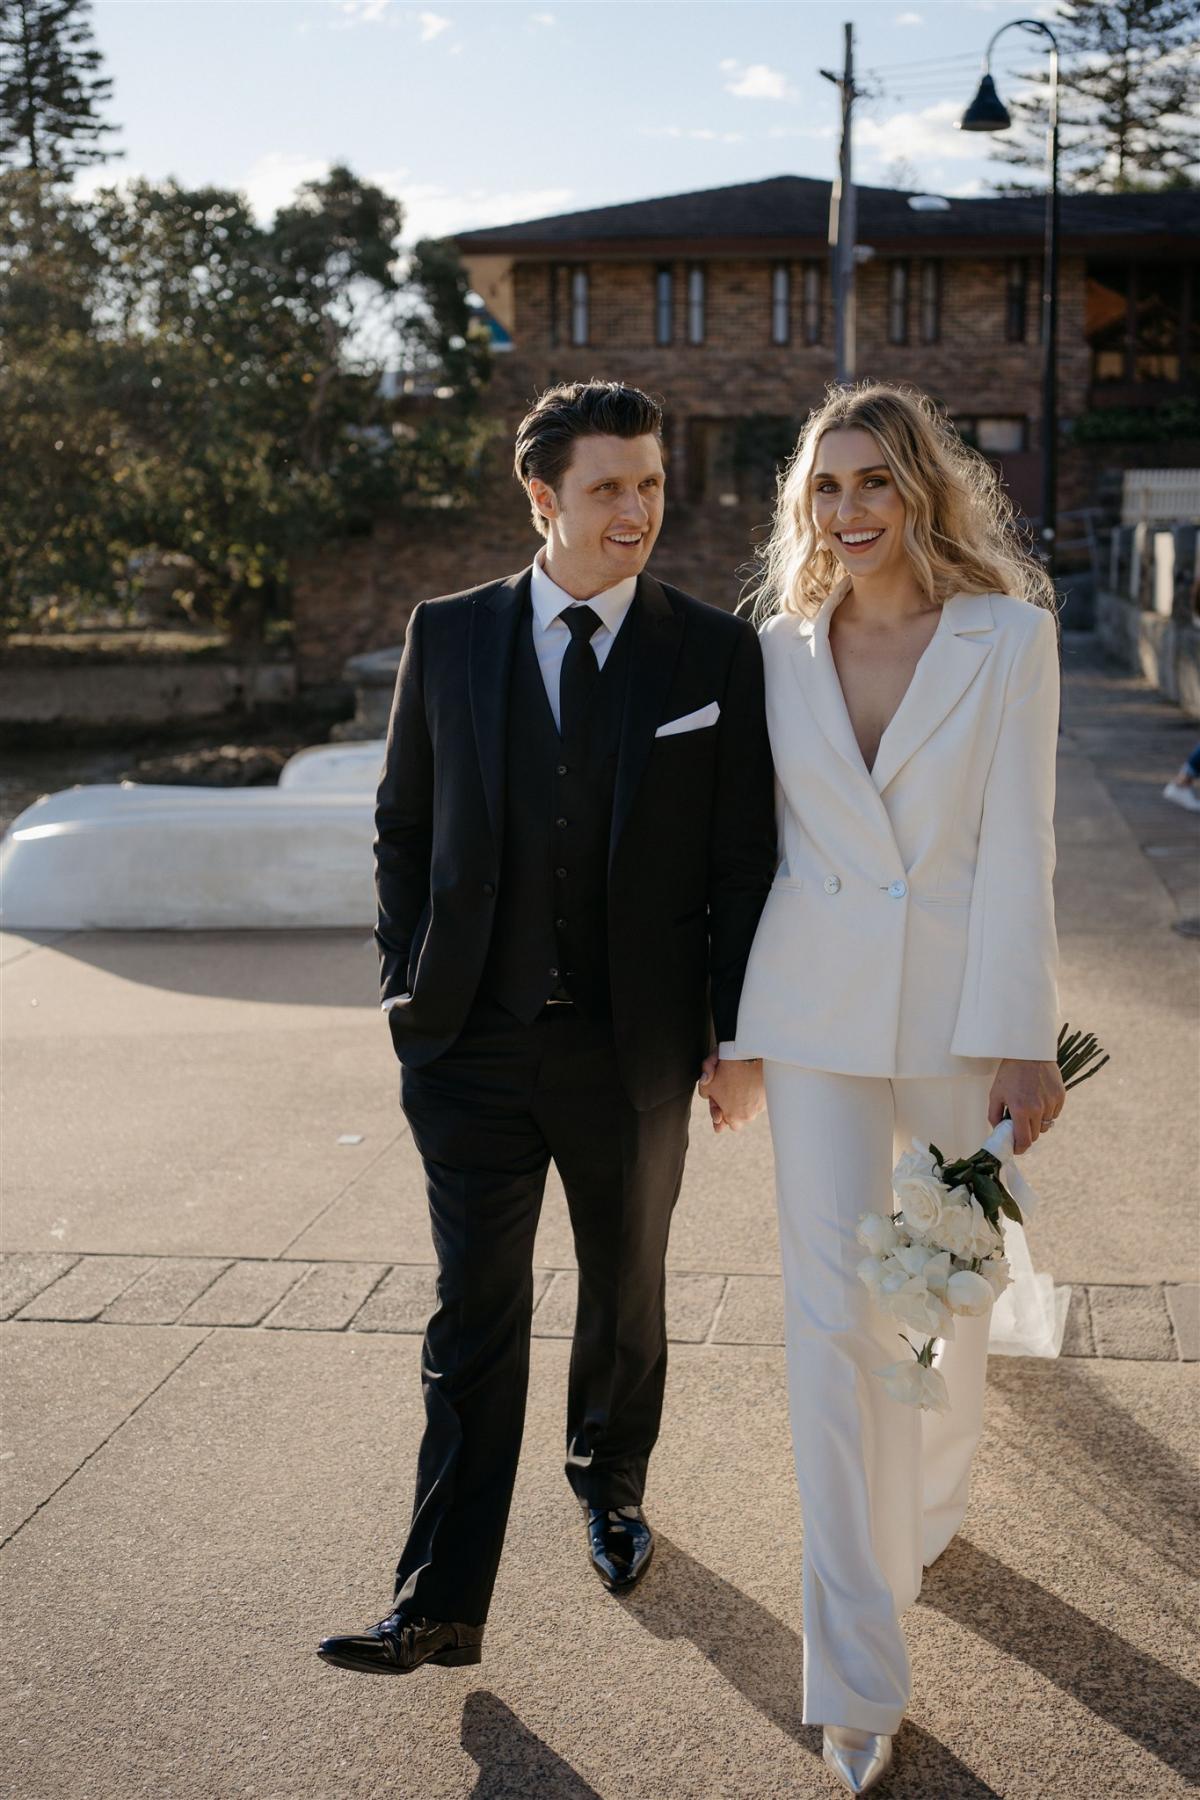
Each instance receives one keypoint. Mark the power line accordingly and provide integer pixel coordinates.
(925, 62)
(945, 65)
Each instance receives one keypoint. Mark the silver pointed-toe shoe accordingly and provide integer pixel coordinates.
(859, 1759)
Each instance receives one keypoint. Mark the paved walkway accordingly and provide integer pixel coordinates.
(218, 1266)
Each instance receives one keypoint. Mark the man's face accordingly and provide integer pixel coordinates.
(606, 512)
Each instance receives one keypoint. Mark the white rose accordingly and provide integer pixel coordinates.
(914, 1385)
(912, 1258)
(876, 1233)
(921, 1200)
(894, 1277)
(996, 1272)
(914, 1305)
(988, 1237)
(937, 1272)
(917, 1161)
(968, 1293)
(870, 1272)
(964, 1229)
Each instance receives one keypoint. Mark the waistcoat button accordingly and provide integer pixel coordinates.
(832, 885)
(898, 890)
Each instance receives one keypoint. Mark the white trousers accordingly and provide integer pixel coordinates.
(883, 1487)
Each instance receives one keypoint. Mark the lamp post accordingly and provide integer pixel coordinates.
(987, 112)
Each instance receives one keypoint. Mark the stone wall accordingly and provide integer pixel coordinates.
(1148, 614)
(78, 696)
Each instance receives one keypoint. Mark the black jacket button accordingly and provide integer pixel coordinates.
(489, 888)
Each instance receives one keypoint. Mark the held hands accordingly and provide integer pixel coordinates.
(1033, 1095)
(734, 1091)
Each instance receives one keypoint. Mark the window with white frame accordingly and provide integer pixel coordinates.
(781, 304)
(931, 301)
(995, 435)
(1016, 287)
(898, 302)
(695, 306)
(580, 323)
(664, 306)
(812, 303)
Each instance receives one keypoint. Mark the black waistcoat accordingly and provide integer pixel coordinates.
(550, 932)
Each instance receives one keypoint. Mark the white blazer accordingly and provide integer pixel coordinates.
(911, 923)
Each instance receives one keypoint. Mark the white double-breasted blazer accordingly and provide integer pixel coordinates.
(911, 922)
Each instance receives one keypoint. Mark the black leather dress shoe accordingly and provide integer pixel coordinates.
(620, 1544)
(401, 1643)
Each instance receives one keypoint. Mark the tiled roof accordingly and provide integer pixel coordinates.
(787, 208)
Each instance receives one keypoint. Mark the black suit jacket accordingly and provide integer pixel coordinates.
(692, 851)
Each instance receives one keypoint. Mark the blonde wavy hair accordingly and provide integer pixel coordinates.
(959, 529)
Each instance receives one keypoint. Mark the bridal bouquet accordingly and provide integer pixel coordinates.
(941, 1254)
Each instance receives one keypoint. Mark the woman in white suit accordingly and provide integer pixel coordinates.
(902, 981)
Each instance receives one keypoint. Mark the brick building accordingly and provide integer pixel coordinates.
(719, 303)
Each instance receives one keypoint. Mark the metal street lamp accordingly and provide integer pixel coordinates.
(987, 112)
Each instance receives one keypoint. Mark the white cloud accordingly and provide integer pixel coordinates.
(909, 18)
(274, 178)
(546, 20)
(364, 12)
(699, 134)
(432, 25)
(802, 131)
(88, 182)
(432, 210)
(918, 137)
(755, 81)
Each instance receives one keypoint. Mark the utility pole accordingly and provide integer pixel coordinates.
(843, 222)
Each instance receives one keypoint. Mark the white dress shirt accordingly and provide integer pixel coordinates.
(550, 633)
(551, 637)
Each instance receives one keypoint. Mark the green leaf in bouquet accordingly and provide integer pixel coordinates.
(989, 1193)
(1011, 1210)
(1079, 1056)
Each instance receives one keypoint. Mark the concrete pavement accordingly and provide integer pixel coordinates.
(218, 1266)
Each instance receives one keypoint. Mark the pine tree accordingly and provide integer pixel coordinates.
(1129, 85)
(49, 88)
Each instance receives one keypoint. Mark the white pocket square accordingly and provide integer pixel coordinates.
(693, 721)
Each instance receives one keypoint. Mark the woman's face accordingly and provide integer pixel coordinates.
(857, 508)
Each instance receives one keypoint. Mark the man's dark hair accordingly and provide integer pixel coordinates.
(575, 409)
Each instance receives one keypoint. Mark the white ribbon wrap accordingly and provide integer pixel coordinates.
(1030, 1317)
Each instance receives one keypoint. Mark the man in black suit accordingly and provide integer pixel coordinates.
(575, 837)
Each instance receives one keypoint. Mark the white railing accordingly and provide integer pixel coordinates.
(1161, 497)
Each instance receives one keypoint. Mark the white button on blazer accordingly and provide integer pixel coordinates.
(936, 941)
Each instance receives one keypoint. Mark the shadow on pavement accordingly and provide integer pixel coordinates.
(1143, 1698)
(1076, 1429)
(512, 1760)
(762, 1658)
(336, 966)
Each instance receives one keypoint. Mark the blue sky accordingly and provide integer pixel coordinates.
(491, 112)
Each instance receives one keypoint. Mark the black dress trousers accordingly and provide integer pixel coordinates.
(487, 1117)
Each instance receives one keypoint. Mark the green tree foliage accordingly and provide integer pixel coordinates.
(1129, 85)
(181, 378)
(60, 507)
(50, 91)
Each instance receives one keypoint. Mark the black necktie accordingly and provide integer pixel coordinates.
(580, 670)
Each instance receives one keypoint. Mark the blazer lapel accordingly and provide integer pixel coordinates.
(813, 660)
(952, 659)
(494, 619)
(657, 636)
